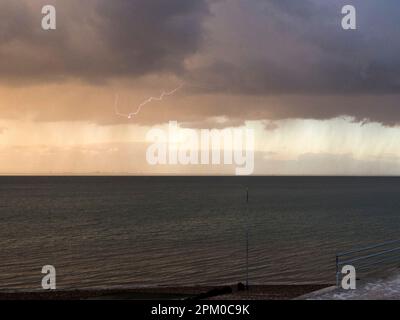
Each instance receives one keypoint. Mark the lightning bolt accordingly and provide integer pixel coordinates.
(140, 106)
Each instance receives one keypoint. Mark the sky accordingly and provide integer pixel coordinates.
(321, 100)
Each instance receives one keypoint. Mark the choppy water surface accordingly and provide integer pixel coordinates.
(146, 231)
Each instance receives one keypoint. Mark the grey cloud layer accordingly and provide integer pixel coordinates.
(279, 58)
(257, 47)
(295, 57)
(96, 39)
(281, 47)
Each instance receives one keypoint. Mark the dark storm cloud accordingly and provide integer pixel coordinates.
(276, 46)
(299, 47)
(96, 39)
(362, 108)
(295, 56)
(276, 59)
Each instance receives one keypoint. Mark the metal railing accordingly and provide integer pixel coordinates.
(364, 258)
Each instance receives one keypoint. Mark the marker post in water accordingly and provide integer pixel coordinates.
(247, 239)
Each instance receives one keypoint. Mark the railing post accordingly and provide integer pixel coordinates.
(337, 271)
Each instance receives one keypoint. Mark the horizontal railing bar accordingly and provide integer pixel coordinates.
(373, 271)
(384, 260)
(368, 256)
(367, 248)
(368, 270)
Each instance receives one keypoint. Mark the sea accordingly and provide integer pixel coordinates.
(108, 232)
